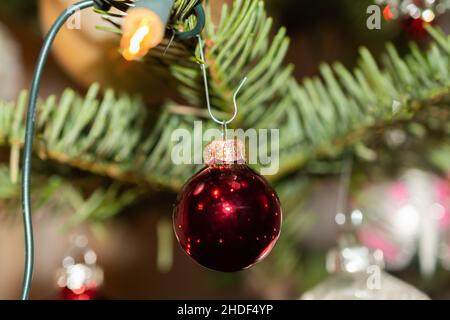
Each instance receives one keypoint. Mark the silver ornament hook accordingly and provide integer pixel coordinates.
(224, 123)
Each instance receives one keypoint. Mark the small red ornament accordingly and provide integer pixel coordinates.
(88, 293)
(415, 28)
(227, 217)
(79, 277)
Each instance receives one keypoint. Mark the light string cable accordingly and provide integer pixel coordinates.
(29, 132)
(223, 123)
(102, 5)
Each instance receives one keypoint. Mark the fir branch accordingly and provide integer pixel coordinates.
(325, 115)
(318, 119)
(181, 10)
(110, 136)
(58, 193)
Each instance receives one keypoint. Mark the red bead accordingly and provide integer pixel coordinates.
(227, 217)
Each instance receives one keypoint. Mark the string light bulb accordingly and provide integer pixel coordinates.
(137, 38)
(164, 8)
(143, 30)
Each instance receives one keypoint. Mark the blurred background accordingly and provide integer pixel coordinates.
(135, 260)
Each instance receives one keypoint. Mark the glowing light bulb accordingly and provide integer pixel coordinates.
(137, 38)
(142, 31)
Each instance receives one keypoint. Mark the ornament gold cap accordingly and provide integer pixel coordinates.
(229, 151)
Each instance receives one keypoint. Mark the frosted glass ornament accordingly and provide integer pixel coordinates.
(357, 274)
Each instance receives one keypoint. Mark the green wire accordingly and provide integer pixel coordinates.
(28, 147)
(31, 117)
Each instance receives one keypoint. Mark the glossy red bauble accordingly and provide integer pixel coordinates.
(227, 217)
(81, 294)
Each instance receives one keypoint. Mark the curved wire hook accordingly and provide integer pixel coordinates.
(224, 123)
(243, 81)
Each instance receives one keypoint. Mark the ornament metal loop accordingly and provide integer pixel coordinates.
(224, 130)
(224, 123)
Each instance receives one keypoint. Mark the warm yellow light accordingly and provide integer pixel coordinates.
(428, 15)
(137, 38)
(142, 31)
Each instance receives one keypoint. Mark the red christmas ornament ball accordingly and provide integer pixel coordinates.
(84, 293)
(227, 217)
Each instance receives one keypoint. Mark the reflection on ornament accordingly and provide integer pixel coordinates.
(357, 274)
(80, 276)
(227, 217)
(412, 219)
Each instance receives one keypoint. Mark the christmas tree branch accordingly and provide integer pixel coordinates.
(325, 115)
(318, 119)
(108, 137)
(94, 201)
